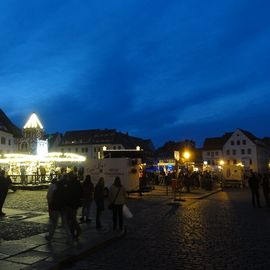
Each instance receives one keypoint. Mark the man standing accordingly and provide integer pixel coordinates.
(5, 183)
(253, 182)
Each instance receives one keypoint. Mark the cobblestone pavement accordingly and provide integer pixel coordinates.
(222, 231)
(29, 204)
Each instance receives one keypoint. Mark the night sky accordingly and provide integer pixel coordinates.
(163, 70)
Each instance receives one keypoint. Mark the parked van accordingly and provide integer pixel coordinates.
(127, 169)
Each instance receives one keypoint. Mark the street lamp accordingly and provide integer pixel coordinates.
(221, 162)
(186, 155)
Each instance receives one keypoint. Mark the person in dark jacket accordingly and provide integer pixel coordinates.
(74, 197)
(58, 207)
(254, 185)
(99, 200)
(5, 184)
(266, 188)
(87, 198)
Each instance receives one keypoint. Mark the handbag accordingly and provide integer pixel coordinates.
(126, 212)
(110, 206)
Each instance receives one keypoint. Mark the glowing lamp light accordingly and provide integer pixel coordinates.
(138, 148)
(205, 163)
(186, 155)
(221, 162)
(104, 148)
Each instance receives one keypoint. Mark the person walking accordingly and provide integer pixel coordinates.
(5, 184)
(87, 198)
(58, 207)
(99, 200)
(253, 182)
(51, 189)
(74, 197)
(117, 197)
(266, 188)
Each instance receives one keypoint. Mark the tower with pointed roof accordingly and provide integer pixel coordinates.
(33, 131)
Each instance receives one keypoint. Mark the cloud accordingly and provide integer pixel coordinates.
(157, 69)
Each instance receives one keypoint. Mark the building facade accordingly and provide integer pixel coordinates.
(92, 143)
(236, 151)
(9, 135)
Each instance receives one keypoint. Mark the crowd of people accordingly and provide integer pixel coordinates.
(186, 180)
(67, 194)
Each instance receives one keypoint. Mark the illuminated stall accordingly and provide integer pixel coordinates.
(33, 164)
(38, 169)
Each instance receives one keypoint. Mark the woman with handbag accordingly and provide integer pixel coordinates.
(117, 198)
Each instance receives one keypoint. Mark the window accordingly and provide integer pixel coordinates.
(249, 151)
(244, 142)
(119, 147)
(232, 142)
(238, 142)
(82, 150)
(86, 149)
(212, 154)
(234, 161)
(76, 150)
(114, 147)
(208, 153)
(242, 151)
(95, 150)
(213, 162)
(228, 152)
(3, 140)
(216, 153)
(250, 161)
(9, 142)
(234, 152)
(228, 162)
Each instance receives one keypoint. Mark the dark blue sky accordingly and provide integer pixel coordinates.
(164, 70)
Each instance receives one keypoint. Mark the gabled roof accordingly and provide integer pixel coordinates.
(7, 126)
(216, 143)
(33, 122)
(253, 138)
